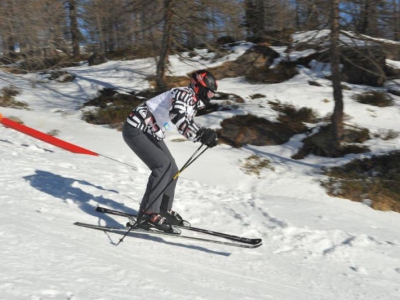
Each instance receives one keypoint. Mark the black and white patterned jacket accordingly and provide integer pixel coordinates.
(174, 108)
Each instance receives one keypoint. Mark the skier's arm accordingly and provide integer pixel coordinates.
(182, 117)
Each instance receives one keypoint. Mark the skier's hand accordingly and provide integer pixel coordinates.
(207, 137)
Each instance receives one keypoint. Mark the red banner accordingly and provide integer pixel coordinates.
(45, 137)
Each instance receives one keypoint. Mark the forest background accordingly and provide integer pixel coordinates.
(42, 35)
(41, 30)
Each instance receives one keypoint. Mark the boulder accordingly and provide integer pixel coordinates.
(257, 57)
(96, 59)
(364, 65)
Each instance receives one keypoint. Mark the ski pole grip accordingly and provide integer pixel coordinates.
(177, 175)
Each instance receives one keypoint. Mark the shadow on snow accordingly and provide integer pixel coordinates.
(64, 189)
(157, 239)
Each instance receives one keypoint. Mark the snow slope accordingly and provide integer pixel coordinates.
(315, 246)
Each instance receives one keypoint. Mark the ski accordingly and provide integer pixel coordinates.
(235, 238)
(123, 230)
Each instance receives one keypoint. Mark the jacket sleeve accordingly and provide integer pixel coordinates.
(183, 109)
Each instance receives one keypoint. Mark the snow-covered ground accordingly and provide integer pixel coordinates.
(315, 246)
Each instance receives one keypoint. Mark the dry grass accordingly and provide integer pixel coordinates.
(289, 114)
(256, 96)
(322, 143)
(54, 132)
(255, 164)
(112, 107)
(265, 74)
(7, 95)
(387, 134)
(375, 98)
(249, 129)
(376, 178)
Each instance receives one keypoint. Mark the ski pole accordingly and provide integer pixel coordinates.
(185, 166)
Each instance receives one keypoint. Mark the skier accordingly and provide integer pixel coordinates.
(144, 131)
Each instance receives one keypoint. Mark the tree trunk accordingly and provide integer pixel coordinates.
(165, 46)
(255, 18)
(74, 29)
(103, 48)
(337, 117)
(395, 20)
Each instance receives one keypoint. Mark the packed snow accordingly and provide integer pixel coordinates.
(314, 246)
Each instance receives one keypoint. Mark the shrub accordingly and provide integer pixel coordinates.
(112, 107)
(376, 178)
(113, 116)
(249, 129)
(256, 96)
(387, 134)
(228, 96)
(375, 98)
(354, 134)
(282, 72)
(254, 164)
(7, 98)
(290, 114)
(9, 92)
(54, 132)
(16, 119)
(226, 39)
(171, 82)
(322, 143)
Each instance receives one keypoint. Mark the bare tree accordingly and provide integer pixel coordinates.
(35, 28)
(165, 44)
(7, 27)
(337, 117)
(279, 15)
(395, 17)
(311, 14)
(76, 35)
(377, 18)
(186, 25)
(255, 18)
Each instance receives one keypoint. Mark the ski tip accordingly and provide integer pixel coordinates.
(100, 209)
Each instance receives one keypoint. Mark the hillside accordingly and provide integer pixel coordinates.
(315, 246)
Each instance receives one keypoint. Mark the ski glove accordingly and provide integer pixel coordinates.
(207, 137)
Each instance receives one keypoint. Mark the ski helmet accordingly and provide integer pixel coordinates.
(204, 85)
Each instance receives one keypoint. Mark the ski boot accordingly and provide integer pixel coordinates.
(156, 221)
(174, 218)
